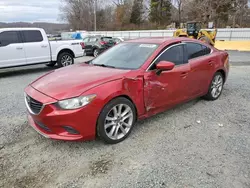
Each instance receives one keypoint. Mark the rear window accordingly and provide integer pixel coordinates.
(32, 36)
(107, 39)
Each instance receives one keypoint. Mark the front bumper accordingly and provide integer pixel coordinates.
(54, 123)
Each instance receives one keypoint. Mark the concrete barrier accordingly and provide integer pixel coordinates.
(233, 45)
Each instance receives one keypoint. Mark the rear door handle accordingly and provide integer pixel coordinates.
(19, 48)
(210, 63)
(44, 46)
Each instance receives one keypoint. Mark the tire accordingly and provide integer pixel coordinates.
(51, 64)
(65, 59)
(205, 39)
(96, 52)
(112, 128)
(216, 87)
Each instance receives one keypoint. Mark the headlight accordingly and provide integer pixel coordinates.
(74, 103)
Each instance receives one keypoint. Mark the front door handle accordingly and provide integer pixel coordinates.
(19, 48)
(184, 74)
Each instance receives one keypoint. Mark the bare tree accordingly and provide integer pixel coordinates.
(178, 4)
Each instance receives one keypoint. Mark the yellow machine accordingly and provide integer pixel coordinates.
(193, 30)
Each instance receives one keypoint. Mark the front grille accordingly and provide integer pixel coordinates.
(34, 105)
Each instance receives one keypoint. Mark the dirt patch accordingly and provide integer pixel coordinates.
(101, 166)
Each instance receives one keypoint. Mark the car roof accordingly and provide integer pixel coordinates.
(162, 40)
(19, 28)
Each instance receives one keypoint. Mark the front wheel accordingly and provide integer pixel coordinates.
(116, 120)
(216, 87)
(65, 59)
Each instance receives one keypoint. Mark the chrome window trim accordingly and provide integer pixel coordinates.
(161, 54)
(182, 43)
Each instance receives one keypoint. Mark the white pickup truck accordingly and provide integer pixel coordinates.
(29, 46)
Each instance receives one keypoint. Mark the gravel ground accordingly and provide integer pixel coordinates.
(197, 144)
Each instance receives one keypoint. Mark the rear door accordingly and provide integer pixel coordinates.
(11, 49)
(201, 61)
(37, 49)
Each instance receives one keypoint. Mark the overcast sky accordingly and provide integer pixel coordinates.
(29, 10)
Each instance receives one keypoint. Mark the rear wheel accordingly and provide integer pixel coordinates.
(96, 52)
(65, 59)
(116, 120)
(216, 87)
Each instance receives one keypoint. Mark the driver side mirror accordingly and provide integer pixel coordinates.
(164, 66)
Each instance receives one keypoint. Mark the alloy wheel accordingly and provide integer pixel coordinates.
(217, 85)
(66, 60)
(95, 53)
(118, 121)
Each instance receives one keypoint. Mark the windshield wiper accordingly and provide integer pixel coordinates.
(102, 65)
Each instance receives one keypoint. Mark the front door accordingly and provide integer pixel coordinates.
(11, 49)
(170, 87)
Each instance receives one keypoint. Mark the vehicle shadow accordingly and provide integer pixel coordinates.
(18, 71)
(98, 144)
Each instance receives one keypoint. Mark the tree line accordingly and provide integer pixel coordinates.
(153, 14)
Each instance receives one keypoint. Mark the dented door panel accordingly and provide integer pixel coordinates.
(167, 89)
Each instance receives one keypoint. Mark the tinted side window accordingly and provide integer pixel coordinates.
(32, 36)
(194, 50)
(206, 50)
(9, 37)
(174, 55)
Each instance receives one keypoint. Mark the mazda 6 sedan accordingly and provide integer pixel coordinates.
(131, 81)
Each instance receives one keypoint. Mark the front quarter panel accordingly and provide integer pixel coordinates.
(131, 87)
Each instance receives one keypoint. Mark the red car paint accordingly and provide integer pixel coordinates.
(150, 93)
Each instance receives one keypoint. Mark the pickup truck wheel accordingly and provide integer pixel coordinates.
(116, 120)
(65, 59)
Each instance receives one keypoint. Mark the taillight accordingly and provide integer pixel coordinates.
(82, 44)
(103, 42)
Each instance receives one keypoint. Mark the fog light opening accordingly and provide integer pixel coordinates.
(71, 130)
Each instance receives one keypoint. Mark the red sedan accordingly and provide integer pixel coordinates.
(132, 80)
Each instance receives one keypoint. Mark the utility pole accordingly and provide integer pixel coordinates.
(95, 15)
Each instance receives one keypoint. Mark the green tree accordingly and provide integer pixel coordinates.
(137, 11)
(160, 12)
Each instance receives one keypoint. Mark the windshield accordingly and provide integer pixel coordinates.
(126, 55)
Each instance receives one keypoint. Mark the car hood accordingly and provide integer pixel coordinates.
(74, 80)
